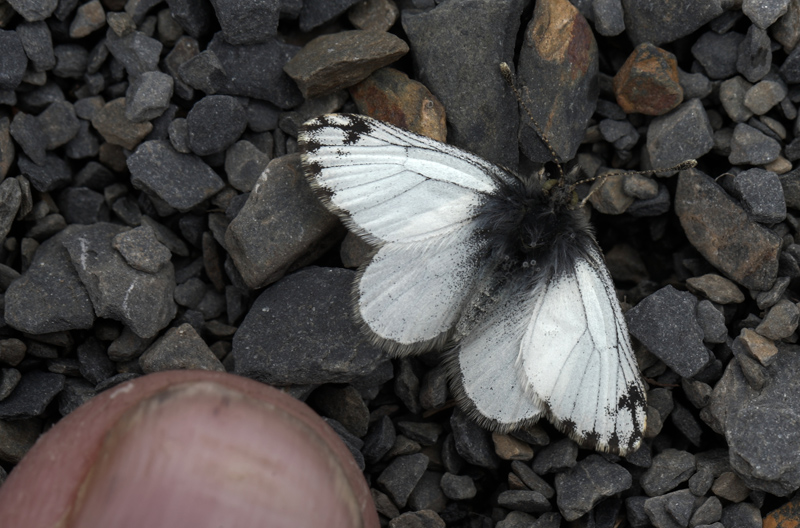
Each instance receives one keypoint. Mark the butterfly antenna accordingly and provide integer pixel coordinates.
(505, 70)
(684, 165)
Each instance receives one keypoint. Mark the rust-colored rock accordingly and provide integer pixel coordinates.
(340, 60)
(648, 81)
(390, 96)
(723, 233)
(787, 516)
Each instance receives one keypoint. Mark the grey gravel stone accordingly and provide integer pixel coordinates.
(707, 513)
(379, 439)
(196, 18)
(406, 386)
(343, 404)
(76, 392)
(32, 395)
(761, 194)
(755, 55)
(695, 85)
(116, 128)
(71, 61)
(9, 379)
(141, 250)
(718, 53)
(12, 351)
(300, 332)
(180, 348)
(764, 14)
(244, 163)
(593, 479)
(472, 442)
(781, 321)
(665, 322)
(556, 457)
(62, 301)
(660, 22)
(58, 123)
(38, 44)
(283, 204)
(701, 482)
(214, 123)
(179, 135)
(682, 134)
(458, 487)
(662, 511)
(53, 173)
(26, 132)
(401, 476)
(764, 95)
(183, 181)
(257, 70)
(749, 146)
(486, 130)
(524, 501)
(204, 72)
(140, 300)
(148, 96)
(84, 144)
(81, 205)
(637, 516)
(418, 519)
(428, 494)
(137, 52)
(95, 364)
(247, 22)
(743, 515)
(670, 468)
(13, 60)
(711, 321)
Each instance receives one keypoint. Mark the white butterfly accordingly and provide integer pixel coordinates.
(506, 269)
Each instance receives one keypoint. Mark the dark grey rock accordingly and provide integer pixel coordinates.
(39, 98)
(406, 386)
(300, 332)
(183, 50)
(698, 393)
(113, 381)
(790, 69)
(142, 301)
(58, 124)
(315, 14)
(76, 392)
(26, 132)
(17, 437)
(755, 56)
(38, 44)
(425, 433)
(524, 501)
(749, 146)
(343, 404)
(764, 14)
(181, 180)
(9, 379)
(458, 487)
(593, 479)
(71, 61)
(148, 96)
(433, 388)
(682, 134)
(742, 515)
(662, 511)
(428, 494)
(94, 176)
(127, 346)
(701, 482)
(472, 442)
(781, 321)
(137, 52)
(179, 135)
(384, 504)
(204, 72)
(665, 323)
(84, 144)
(190, 293)
(261, 116)
(33, 394)
(418, 519)
(257, 70)
(244, 163)
(81, 205)
(127, 210)
(95, 364)
(111, 122)
(121, 23)
(215, 123)
(353, 443)
(685, 421)
(485, 129)
(53, 173)
(670, 468)
(556, 457)
(531, 479)
(196, 17)
(695, 85)
(179, 349)
(712, 322)
(61, 301)
(637, 516)
(247, 22)
(608, 17)
(34, 10)
(724, 234)
(167, 237)
(282, 204)
(707, 513)
(451, 461)
(658, 205)
(718, 53)
(401, 476)
(518, 519)
(13, 60)
(765, 95)
(621, 133)
(660, 22)
(10, 200)
(141, 250)
(379, 439)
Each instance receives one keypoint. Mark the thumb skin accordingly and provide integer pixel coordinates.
(188, 448)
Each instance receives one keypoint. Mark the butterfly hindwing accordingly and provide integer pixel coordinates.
(416, 199)
(578, 360)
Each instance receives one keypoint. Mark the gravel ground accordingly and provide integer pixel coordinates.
(140, 235)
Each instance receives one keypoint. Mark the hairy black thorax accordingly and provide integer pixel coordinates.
(536, 225)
